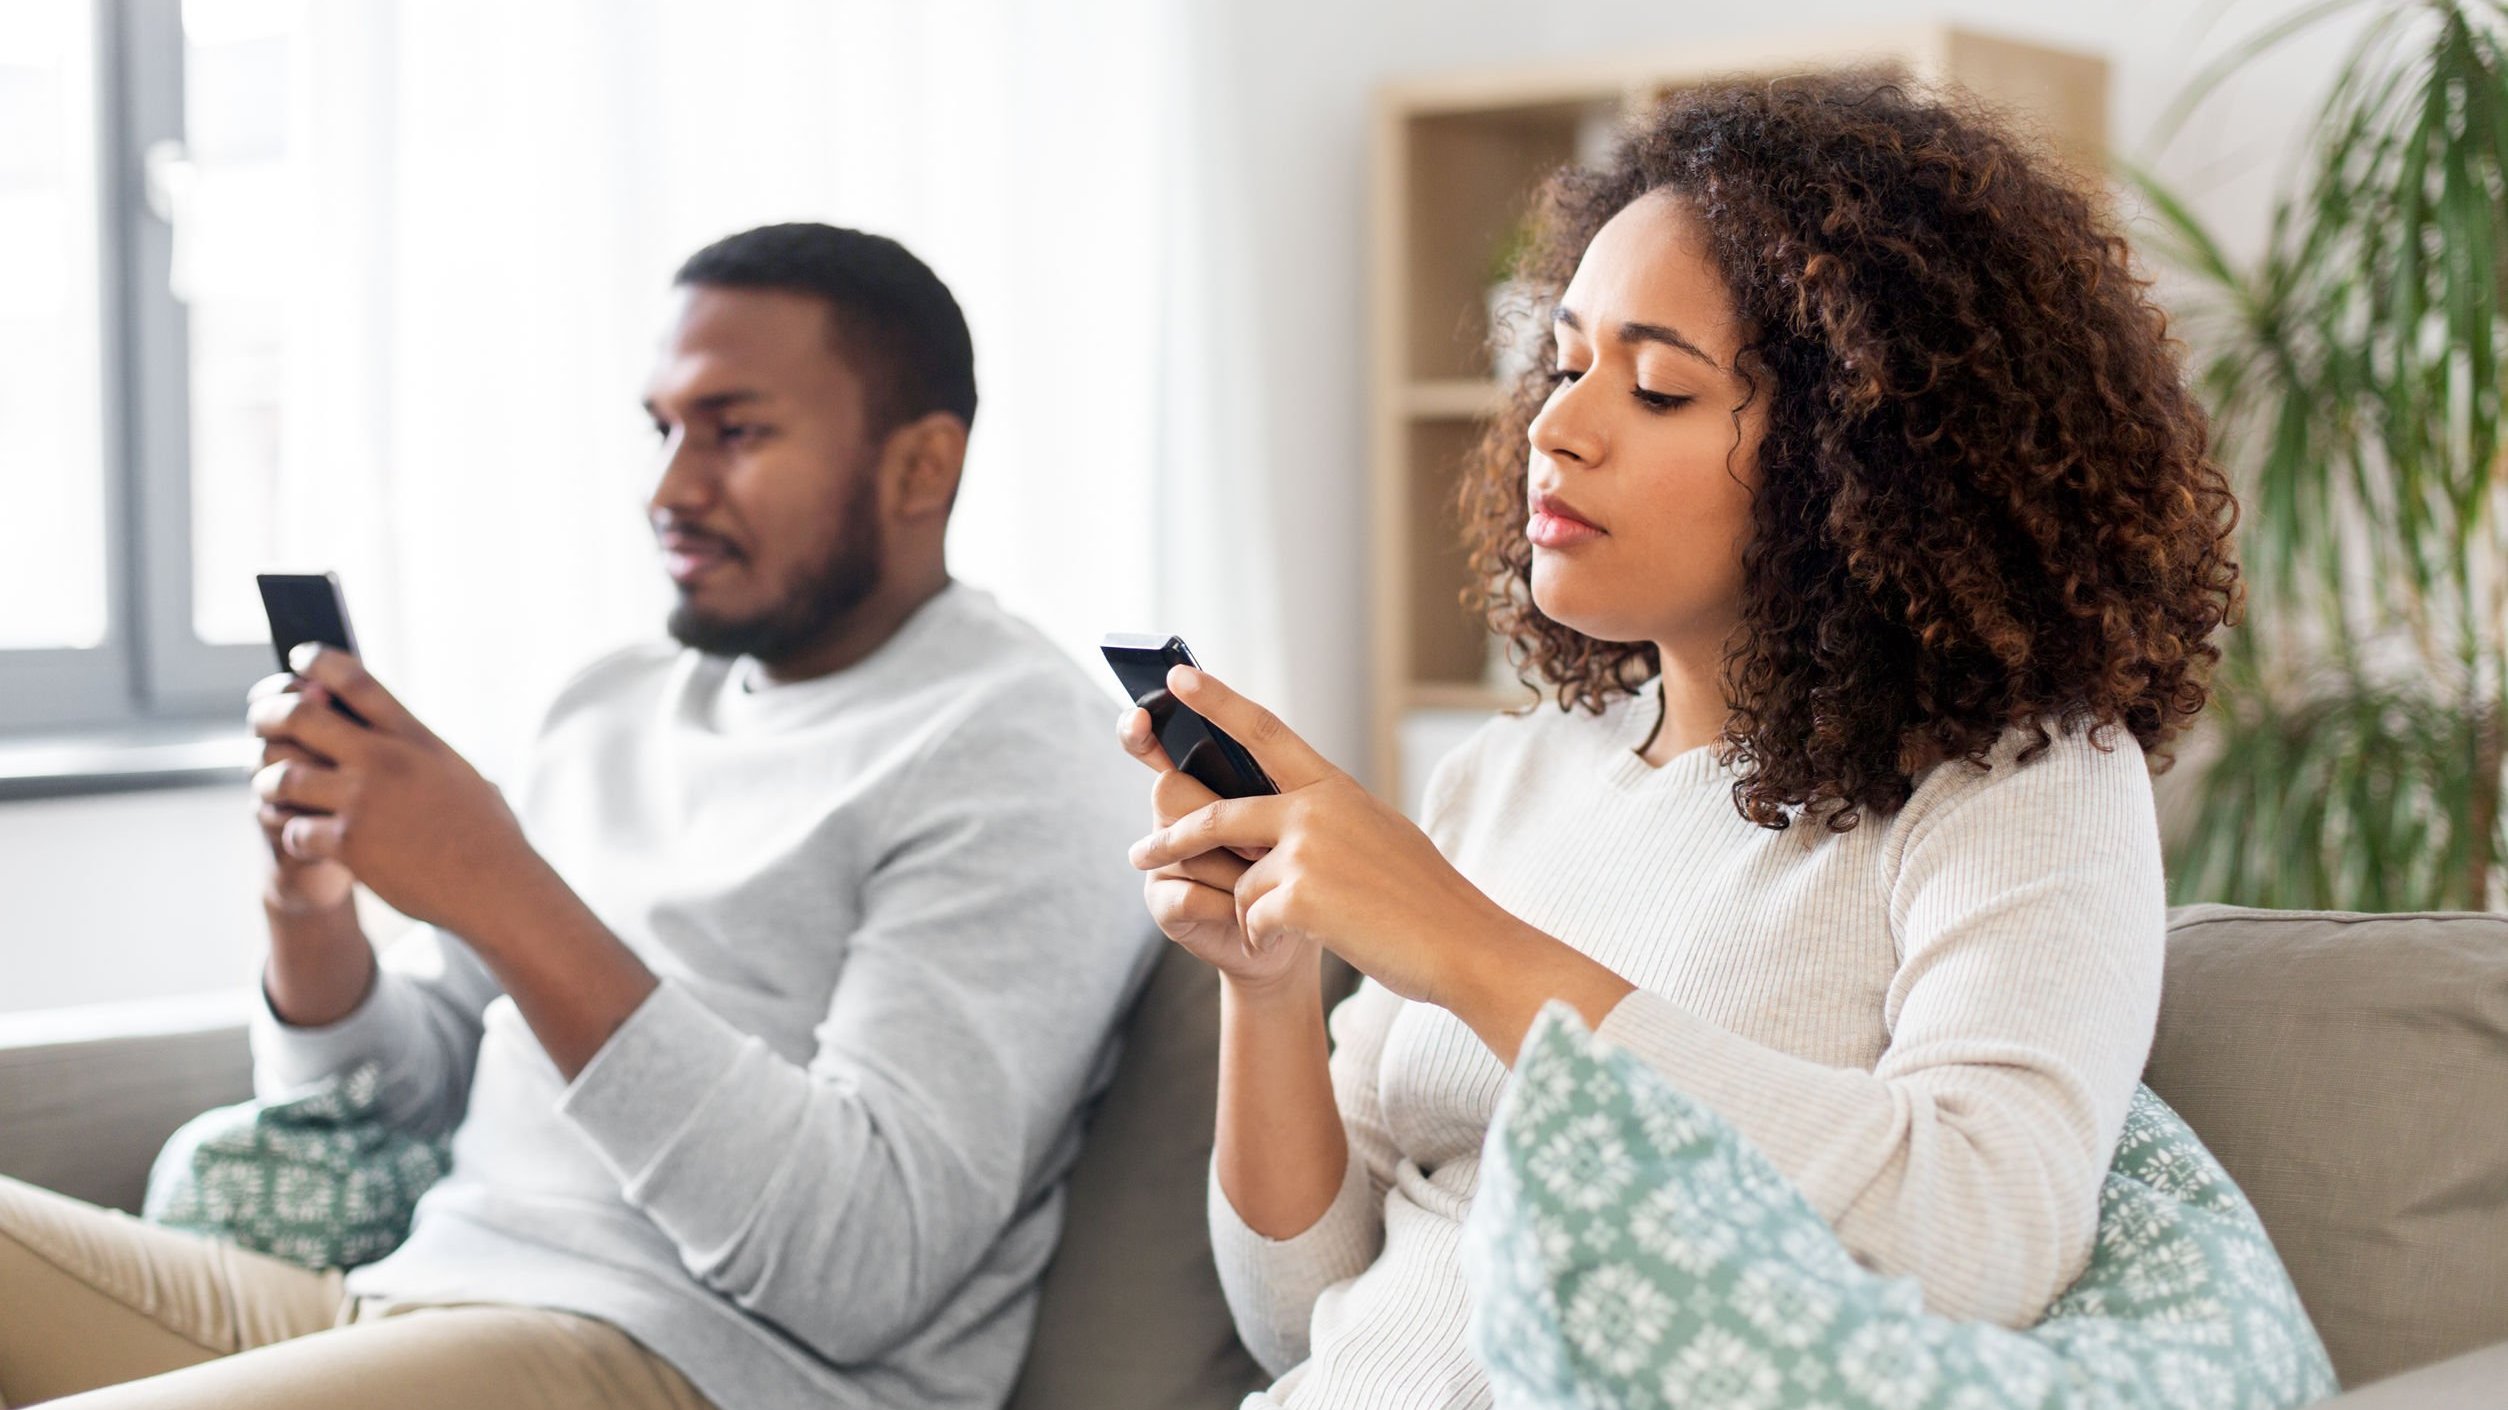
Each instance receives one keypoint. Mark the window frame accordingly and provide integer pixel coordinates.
(152, 668)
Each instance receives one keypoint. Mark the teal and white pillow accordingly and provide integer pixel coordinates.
(1629, 1248)
(313, 1177)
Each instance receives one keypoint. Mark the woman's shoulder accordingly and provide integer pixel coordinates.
(2032, 775)
(1513, 749)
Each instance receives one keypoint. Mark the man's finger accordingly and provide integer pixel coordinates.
(313, 837)
(306, 787)
(268, 686)
(305, 718)
(1291, 761)
(345, 676)
(1230, 822)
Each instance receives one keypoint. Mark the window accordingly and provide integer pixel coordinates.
(148, 197)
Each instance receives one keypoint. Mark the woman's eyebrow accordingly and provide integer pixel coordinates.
(1644, 333)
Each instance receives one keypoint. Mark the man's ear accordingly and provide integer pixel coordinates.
(926, 456)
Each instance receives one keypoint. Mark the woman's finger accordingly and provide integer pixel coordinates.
(1230, 822)
(1185, 910)
(1177, 795)
(1291, 761)
(1218, 870)
(1133, 731)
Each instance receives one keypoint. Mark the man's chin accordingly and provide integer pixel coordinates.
(716, 634)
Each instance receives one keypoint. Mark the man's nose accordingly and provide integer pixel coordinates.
(684, 482)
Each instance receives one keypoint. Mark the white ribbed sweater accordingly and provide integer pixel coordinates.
(1932, 1023)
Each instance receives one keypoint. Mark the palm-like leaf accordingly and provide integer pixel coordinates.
(2355, 380)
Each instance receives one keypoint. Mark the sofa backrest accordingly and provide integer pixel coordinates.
(2351, 1072)
(1131, 1317)
(85, 1116)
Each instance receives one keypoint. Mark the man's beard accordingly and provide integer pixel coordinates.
(818, 603)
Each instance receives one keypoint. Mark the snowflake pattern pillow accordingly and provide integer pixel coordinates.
(312, 1178)
(1628, 1248)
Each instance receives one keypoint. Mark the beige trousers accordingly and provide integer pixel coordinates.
(126, 1316)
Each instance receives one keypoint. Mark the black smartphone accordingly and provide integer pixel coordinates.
(1193, 744)
(306, 607)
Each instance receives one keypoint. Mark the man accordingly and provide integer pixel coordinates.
(763, 1055)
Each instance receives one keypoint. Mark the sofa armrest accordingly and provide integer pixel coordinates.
(87, 1097)
(2477, 1380)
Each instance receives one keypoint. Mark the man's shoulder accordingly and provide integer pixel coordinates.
(630, 671)
(1002, 702)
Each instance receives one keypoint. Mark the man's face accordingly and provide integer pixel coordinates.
(768, 507)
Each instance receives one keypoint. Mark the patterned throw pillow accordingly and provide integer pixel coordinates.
(1628, 1248)
(312, 1177)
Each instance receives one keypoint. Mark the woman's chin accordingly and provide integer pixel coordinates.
(1600, 625)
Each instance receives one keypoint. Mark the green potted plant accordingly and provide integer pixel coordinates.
(2355, 377)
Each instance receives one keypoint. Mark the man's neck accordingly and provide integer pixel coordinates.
(864, 630)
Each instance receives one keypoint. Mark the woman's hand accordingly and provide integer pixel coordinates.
(1193, 899)
(1340, 869)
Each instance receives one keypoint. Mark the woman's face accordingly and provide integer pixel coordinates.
(1645, 457)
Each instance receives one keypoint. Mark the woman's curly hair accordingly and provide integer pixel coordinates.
(1984, 497)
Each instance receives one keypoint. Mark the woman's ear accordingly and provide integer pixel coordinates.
(926, 455)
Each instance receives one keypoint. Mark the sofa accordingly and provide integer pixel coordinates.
(2351, 1071)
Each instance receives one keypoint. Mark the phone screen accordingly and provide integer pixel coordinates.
(304, 607)
(1195, 745)
(307, 607)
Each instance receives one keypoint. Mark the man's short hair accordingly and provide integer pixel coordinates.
(891, 316)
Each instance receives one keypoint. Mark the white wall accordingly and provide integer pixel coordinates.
(128, 896)
(1285, 87)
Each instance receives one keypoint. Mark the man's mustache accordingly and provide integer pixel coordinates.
(675, 535)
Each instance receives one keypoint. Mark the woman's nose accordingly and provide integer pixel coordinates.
(1565, 428)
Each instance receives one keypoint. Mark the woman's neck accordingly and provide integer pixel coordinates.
(1694, 709)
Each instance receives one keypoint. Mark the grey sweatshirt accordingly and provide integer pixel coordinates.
(822, 1165)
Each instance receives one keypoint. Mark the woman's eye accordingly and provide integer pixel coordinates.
(1560, 377)
(1661, 401)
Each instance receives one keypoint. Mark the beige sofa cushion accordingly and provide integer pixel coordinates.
(1131, 1317)
(2351, 1072)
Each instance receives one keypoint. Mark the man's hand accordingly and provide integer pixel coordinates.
(297, 886)
(385, 800)
(421, 828)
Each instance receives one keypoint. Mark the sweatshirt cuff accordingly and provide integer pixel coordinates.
(288, 1056)
(651, 1101)
(1275, 1283)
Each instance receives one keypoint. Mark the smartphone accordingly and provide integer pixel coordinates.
(306, 607)
(1194, 744)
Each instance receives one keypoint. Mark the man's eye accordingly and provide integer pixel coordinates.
(736, 432)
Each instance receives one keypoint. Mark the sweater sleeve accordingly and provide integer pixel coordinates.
(2031, 917)
(845, 1199)
(420, 1023)
(1272, 1285)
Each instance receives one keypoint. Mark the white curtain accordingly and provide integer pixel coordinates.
(497, 193)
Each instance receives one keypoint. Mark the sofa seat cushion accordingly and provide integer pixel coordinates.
(2351, 1073)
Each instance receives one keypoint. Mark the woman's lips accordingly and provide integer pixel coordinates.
(1551, 526)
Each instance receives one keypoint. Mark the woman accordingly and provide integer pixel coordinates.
(1862, 528)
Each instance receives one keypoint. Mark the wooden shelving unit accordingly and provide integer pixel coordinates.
(1457, 157)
